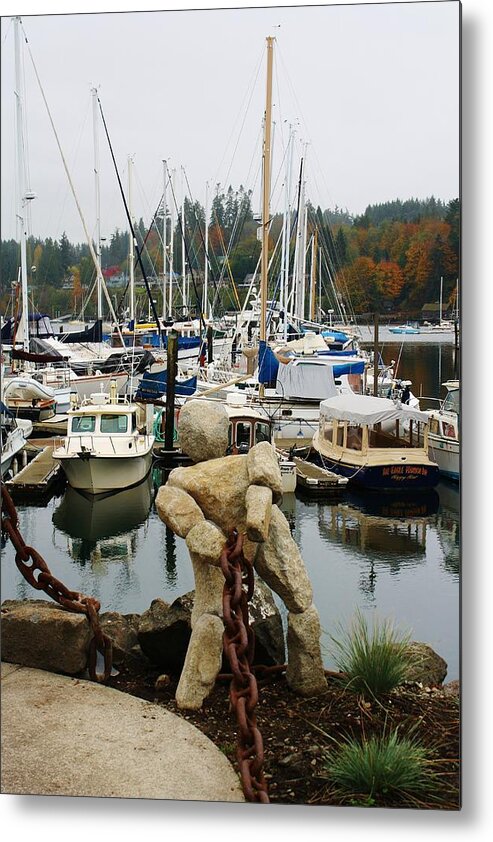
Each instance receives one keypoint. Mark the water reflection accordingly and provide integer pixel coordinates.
(448, 526)
(101, 528)
(170, 545)
(377, 534)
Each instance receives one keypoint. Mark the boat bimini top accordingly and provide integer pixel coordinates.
(367, 410)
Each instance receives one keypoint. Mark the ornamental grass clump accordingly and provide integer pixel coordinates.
(381, 766)
(373, 661)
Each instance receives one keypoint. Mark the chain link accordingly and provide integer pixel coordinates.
(239, 646)
(30, 563)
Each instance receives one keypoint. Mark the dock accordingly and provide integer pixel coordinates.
(316, 481)
(39, 477)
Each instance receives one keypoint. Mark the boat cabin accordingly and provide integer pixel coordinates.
(360, 423)
(247, 427)
(112, 427)
(445, 421)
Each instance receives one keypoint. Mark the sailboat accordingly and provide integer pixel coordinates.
(292, 378)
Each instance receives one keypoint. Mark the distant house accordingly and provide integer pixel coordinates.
(431, 312)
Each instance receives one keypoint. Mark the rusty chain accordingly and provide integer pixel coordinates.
(239, 642)
(30, 562)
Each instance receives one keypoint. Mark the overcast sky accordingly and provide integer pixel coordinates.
(372, 91)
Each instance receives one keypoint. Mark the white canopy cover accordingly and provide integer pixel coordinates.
(364, 409)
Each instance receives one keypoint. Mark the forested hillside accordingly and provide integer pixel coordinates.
(389, 259)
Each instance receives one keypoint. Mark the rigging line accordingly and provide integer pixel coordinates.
(254, 156)
(7, 31)
(120, 305)
(192, 208)
(74, 155)
(296, 100)
(213, 278)
(226, 263)
(252, 89)
(79, 209)
(328, 240)
(231, 244)
(197, 297)
(146, 282)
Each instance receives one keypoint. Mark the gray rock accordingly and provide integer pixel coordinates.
(259, 509)
(219, 488)
(305, 673)
(452, 688)
(177, 509)
(123, 631)
(202, 663)
(263, 468)
(206, 540)
(278, 562)
(425, 665)
(164, 632)
(203, 428)
(266, 622)
(40, 634)
(209, 585)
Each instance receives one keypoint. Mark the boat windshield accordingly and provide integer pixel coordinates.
(83, 423)
(451, 402)
(262, 432)
(114, 423)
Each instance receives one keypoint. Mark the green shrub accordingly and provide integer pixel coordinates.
(379, 766)
(373, 661)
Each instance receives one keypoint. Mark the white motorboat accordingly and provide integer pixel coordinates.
(106, 449)
(376, 443)
(443, 437)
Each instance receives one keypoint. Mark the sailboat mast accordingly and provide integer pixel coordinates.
(266, 192)
(285, 235)
(21, 186)
(131, 252)
(171, 246)
(314, 274)
(95, 119)
(205, 306)
(300, 248)
(183, 253)
(165, 172)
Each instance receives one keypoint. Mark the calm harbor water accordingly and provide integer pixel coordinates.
(391, 558)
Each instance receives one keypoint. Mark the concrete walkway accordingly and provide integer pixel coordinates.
(65, 736)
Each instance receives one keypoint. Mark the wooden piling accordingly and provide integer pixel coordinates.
(375, 354)
(171, 368)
